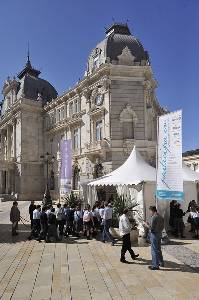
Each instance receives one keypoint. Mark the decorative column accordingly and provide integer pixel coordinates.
(14, 140)
(8, 142)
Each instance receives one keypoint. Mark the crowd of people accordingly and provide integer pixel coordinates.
(53, 224)
(176, 218)
(49, 223)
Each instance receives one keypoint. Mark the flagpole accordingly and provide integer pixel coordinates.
(157, 146)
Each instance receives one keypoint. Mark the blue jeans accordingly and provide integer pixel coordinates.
(156, 252)
(105, 233)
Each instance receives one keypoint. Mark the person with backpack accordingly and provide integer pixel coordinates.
(78, 220)
(44, 224)
(52, 227)
(107, 221)
(59, 217)
(70, 221)
(178, 221)
(156, 227)
(88, 221)
(96, 215)
(66, 218)
(194, 214)
(36, 223)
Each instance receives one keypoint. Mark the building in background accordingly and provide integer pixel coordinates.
(191, 159)
(111, 109)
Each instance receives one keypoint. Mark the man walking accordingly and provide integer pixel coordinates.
(14, 217)
(107, 221)
(156, 226)
(125, 229)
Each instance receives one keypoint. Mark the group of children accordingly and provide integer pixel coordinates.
(49, 223)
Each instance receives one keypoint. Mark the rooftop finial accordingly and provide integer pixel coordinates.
(28, 63)
(28, 56)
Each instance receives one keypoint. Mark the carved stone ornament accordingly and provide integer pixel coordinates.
(39, 97)
(105, 84)
(96, 52)
(93, 96)
(126, 58)
(128, 115)
(87, 94)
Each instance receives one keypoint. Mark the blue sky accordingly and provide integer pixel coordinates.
(62, 33)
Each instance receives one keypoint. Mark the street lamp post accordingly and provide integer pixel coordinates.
(47, 200)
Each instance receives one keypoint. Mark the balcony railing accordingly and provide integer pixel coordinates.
(94, 146)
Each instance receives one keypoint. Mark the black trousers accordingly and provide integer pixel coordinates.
(126, 246)
(43, 232)
(31, 222)
(60, 225)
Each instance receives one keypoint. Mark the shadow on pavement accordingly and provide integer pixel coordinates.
(170, 266)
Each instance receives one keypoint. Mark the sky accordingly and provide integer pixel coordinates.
(62, 33)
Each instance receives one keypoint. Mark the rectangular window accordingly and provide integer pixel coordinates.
(99, 130)
(76, 106)
(70, 108)
(51, 117)
(58, 115)
(62, 112)
(76, 139)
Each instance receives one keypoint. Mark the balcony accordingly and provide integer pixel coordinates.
(74, 120)
(97, 147)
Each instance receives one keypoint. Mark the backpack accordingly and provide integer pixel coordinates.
(87, 216)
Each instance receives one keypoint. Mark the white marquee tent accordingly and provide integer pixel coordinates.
(136, 171)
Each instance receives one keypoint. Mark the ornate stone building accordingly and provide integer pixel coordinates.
(105, 114)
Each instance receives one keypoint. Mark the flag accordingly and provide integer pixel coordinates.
(169, 157)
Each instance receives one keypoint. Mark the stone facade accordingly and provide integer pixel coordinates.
(105, 114)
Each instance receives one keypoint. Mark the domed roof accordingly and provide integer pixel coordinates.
(30, 85)
(118, 38)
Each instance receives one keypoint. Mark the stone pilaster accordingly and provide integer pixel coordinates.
(14, 140)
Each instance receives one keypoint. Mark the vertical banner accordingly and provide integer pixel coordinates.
(169, 158)
(66, 167)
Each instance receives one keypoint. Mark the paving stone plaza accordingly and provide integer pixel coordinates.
(81, 269)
